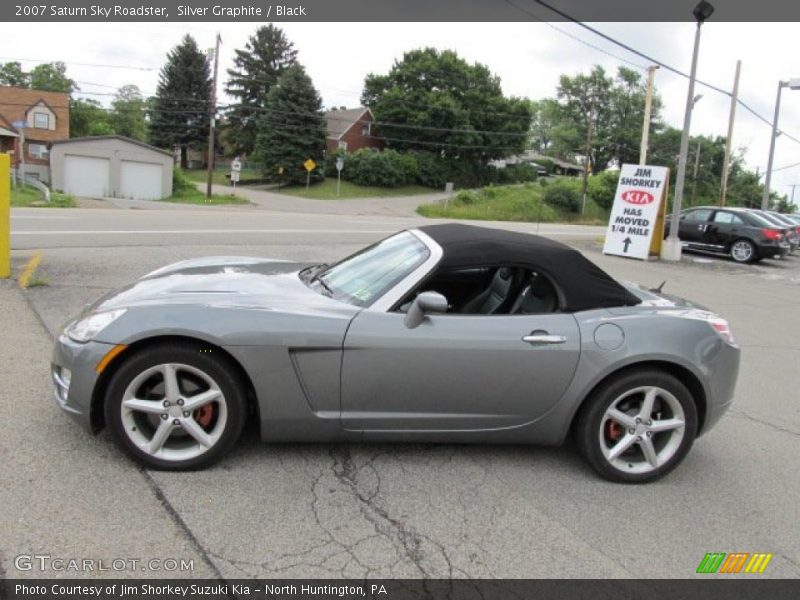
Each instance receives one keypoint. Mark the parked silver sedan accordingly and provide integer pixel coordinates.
(445, 333)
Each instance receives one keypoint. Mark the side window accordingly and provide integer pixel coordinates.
(724, 218)
(502, 290)
(701, 214)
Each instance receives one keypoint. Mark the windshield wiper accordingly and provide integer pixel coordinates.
(318, 279)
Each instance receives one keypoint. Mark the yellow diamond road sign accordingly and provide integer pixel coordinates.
(310, 165)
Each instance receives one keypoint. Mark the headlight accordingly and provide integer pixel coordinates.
(85, 329)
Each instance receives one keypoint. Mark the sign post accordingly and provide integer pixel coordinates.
(236, 167)
(310, 165)
(5, 215)
(339, 167)
(636, 225)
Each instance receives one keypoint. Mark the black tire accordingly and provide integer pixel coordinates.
(743, 251)
(590, 423)
(217, 368)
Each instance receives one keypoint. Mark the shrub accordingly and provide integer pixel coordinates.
(387, 168)
(431, 170)
(563, 195)
(466, 197)
(548, 164)
(181, 183)
(601, 188)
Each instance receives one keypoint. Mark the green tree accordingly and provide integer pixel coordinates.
(257, 68)
(87, 117)
(52, 77)
(180, 110)
(437, 102)
(292, 129)
(545, 121)
(128, 113)
(11, 74)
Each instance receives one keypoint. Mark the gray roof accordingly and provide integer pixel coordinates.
(339, 121)
(94, 138)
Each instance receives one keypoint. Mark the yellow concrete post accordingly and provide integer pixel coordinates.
(5, 215)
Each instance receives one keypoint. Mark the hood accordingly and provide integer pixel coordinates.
(219, 281)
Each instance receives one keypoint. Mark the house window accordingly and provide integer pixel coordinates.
(365, 129)
(38, 151)
(342, 145)
(41, 120)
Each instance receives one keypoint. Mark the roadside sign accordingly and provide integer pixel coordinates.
(236, 165)
(310, 165)
(339, 163)
(234, 176)
(636, 224)
(280, 170)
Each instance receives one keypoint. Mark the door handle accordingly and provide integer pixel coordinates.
(544, 338)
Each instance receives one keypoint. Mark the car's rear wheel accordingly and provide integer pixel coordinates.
(638, 426)
(743, 251)
(175, 407)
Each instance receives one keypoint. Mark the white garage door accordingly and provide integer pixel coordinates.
(140, 181)
(86, 176)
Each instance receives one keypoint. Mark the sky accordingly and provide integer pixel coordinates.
(528, 57)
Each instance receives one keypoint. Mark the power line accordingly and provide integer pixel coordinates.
(664, 65)
(79, 64)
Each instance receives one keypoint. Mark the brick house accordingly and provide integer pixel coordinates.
(46, 115)
(350, 129)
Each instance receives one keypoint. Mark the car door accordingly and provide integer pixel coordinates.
(455, 372)
(719, 230)
(693, 225)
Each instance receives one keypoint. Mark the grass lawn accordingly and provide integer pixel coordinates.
(510, 203)
(30, 196)
(327, 191)
(195, 196)
(218, 177)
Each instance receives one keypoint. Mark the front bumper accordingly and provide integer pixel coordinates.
(73, 394)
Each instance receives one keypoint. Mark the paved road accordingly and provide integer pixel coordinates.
(384, 510)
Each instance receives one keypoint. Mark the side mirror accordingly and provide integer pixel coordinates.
(426, 302)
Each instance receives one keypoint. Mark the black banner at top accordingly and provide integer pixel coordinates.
(392, 10)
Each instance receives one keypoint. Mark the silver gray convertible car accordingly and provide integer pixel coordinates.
(445, 333)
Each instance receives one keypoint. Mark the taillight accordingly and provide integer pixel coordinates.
(772, 234)
(797, 230)
(721, 326)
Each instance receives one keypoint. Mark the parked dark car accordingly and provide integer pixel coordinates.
(740, 233)
(793, 229)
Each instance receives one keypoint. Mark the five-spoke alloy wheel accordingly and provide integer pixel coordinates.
(175, 407)
(638, 426)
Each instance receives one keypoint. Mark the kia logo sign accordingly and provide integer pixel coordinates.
(637, 197)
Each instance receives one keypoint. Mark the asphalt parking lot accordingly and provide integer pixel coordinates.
(350, 510)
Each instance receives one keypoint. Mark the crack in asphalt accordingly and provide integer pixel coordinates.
(410, 542)
(739, 414)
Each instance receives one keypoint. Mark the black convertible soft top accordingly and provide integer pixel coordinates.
(583, 284)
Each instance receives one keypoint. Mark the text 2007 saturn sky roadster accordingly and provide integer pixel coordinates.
(445, 333)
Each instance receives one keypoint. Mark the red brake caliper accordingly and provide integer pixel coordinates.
(614, 430)
(204, 414)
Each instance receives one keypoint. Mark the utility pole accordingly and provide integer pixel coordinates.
(648, 104)
(696, 169)
(793, 185)
(671, 248)
(212, 111)
(588, 154)
(723, 190)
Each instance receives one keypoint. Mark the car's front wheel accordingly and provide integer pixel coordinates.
(175, 406)
(638, 426)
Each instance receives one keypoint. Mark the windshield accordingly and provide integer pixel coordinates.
(364, 277)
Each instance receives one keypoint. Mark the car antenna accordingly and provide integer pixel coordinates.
(658, 289)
